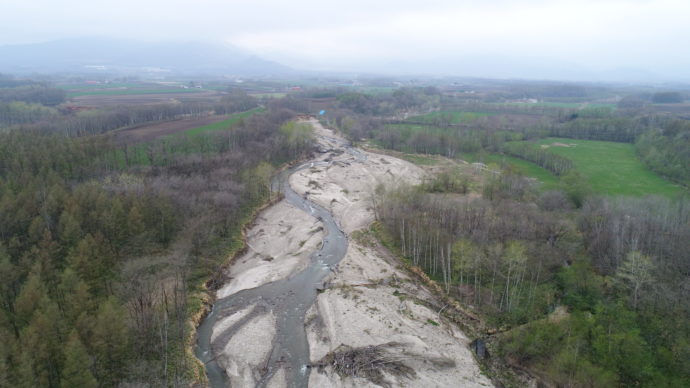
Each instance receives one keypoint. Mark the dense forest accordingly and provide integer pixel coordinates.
(667, 150)
(620, 267)
(103, 257)
(584, 291)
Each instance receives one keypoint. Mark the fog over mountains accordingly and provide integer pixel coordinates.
(116, 55)
(130, 56)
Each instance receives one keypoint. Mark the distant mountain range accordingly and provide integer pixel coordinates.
(122, 56)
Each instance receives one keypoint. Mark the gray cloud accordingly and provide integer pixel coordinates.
(504, 38)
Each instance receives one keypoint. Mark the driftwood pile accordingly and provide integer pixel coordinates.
(369, 362)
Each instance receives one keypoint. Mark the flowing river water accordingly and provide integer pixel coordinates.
(288, 299)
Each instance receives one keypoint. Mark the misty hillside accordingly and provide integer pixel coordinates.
(99, 54)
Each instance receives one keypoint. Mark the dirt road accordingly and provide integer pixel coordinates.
(283, 309)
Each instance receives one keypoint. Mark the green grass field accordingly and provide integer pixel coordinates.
(456, 117)
(612, 168)
(221, 125)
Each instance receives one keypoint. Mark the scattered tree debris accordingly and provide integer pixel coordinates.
(369, 362)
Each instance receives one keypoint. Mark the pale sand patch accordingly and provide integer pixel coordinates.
(278, 380)
(330, 380)
(280, 243)
(346, 185)
(228, 321)
(363, 265)
(371, 316)
(247, 350)
(361, 309)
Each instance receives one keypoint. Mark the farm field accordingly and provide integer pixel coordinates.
(454, 117)
(100, 100)
(152, 131)
(91, 86)
(130, 91)
(221, 125)
(167, 135)
(611, 168)
(193, 126)
(120, 88)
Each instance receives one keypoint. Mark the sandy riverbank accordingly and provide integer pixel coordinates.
(280, 243)
(369, 299)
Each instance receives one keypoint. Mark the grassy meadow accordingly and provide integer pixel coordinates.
(611, 168)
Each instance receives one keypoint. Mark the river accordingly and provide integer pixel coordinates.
(288, 299)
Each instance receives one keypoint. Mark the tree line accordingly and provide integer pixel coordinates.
(557, 164)
(666, 150)
(37, 114)
(36, 93)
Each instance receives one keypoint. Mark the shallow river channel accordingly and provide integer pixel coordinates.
(288, 299)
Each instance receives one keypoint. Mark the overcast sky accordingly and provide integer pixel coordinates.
(481, 38)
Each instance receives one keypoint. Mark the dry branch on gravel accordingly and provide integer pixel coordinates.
(369, 362)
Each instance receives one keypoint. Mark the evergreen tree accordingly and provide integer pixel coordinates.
(109, 342)
(92, 260)
(75, 296)
(41, 343)
(24, 374)
(29, 298)
(69, 230)
(77, 370)
(4, 353)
